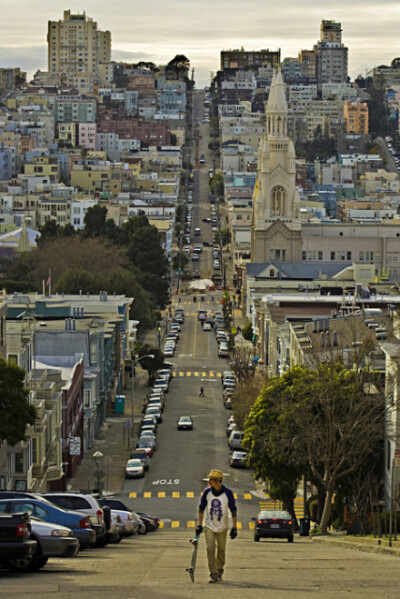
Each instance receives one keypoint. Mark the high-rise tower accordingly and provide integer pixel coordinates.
(276, 225)
(77, 47)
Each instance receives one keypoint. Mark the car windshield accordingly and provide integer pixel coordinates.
(266, 515)
(185, 419)
(134, 464)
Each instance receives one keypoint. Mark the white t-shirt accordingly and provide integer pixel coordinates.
(216, 508)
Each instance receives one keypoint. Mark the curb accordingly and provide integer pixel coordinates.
(366, 545)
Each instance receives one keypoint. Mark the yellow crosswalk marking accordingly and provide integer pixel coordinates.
(247, 496)
(161, 524)
(190, 524)
(219, 375)
(147, 494)
(196, 374)
(181, 373)
(251, 525)
(235, 495)
(204, 374)
(188, 374)
(239, 526)
(175, 524)
(211, 374)
(161, 493)
(176, 494)
(133, 495)
(173, 375)
(189, 494)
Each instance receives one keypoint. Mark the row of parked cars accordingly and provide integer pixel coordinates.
(238, 457)
(62, 523)
(172, 337)
(153, 408)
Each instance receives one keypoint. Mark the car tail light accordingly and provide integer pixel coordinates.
(84, 523)
(100, 514)
(22, 530)
(259, 521)
(290, 522)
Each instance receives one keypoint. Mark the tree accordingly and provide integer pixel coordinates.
(151, 364)
(326, 417)
(216, 185)
(95, 221)
(15, 410)
(281, 477)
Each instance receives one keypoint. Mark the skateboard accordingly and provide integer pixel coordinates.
(195, 543)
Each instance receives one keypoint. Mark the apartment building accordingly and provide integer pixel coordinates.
(77, 47)
(75, 110)
(356, 116)
(241, 58)
(331, 56)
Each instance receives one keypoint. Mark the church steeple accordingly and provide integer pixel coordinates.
(277, 108)
(276, 226)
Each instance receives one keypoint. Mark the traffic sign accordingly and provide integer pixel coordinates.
(74, 446)
(233, 331)
(179, 271)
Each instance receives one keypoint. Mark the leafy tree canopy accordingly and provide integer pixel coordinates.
(15, 410)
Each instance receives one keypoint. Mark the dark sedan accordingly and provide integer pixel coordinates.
(274, 524)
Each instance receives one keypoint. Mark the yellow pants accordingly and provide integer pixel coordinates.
(216, 550)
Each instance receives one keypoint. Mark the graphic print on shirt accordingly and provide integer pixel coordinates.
(216, 510)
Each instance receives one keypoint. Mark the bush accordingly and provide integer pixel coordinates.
(247, 332)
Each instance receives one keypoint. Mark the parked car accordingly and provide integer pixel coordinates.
(236, 439)
(238, 459)
(15, 541)
(146, 445)
(40, 507)
(141, 455)
(166, 373)
(274, 524)
(134, 468)
(185, 423)
(116, 532)
(83, 502)
(152, 439)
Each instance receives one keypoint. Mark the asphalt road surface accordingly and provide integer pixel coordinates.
(178, 469)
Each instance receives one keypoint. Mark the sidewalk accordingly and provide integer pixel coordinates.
(114, 441)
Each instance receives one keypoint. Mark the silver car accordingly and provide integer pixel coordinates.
(53, 540)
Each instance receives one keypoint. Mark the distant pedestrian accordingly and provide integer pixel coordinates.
(215, 504)
(201, 394)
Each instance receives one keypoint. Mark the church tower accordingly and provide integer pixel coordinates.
(276, 225)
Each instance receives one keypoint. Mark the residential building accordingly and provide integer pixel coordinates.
(77, 47)
(331, 56)
(356, 116)
(240, 59)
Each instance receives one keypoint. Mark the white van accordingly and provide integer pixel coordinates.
(236, 439)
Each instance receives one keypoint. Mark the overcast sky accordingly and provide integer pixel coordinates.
(157, 30)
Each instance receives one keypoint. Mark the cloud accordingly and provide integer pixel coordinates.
(157, 30)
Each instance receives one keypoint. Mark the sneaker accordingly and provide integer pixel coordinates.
(219, 578)
(213, 579)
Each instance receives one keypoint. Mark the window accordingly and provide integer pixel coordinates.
(332, 255)
(19, 462)
(34, 450)
(348, 255)
(320, 255)
(278, 201)
(87, 398)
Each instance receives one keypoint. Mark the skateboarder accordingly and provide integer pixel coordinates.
(215, 503)
(201, 394)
